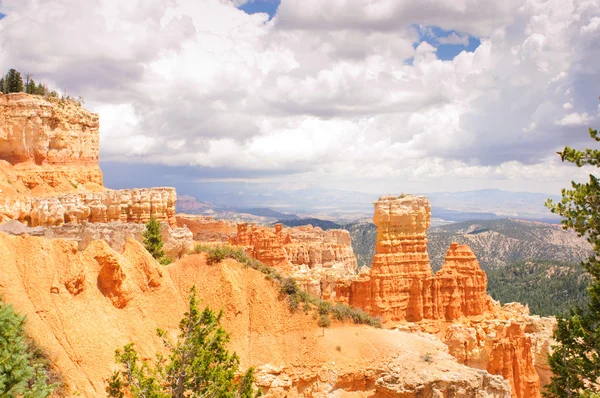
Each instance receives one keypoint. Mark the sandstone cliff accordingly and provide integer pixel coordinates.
(49, 172)
(49, 140)
(452, 304)
(82, 305)
(206, 228)
(135, 205)
(401, 285)
(319, 260)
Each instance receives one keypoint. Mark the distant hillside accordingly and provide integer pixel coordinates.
(496, 243)
(189, 204)
(266, 212)
(363, 236)
(548, 287)
(315, 222)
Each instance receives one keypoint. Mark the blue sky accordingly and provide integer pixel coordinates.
(267, 6)
(434, 34)
(430, 34)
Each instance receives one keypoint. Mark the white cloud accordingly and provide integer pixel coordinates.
(454, 38)
(324, 90)
(575, 119)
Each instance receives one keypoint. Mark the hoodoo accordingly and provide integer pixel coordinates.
(401, 285)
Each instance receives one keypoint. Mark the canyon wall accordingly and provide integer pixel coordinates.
(127, 205)
(48, 139)
(318, 260)
(206, 228)
(70, 295)
(49, 171)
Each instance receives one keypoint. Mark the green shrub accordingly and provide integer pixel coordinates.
(153, 239)
(165, 260)
(289, 287)
(324, 321)
(23, 372)
(197, 364)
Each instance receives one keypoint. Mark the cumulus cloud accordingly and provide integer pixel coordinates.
(455, 38)
(342, 90)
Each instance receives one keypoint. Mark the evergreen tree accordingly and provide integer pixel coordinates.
(14, 82)
(20, 376)
(575, 362)
(197, 364)
(153, 239)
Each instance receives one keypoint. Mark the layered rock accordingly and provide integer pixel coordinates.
(49, 172)
(206, 228)
(508, 342)
(128, 205)
(49, 140)
(67, 295)
(320, 261)
(401, 285)
(176, 241)
(460, 286)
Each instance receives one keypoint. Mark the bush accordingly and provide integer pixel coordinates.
(197, 364)
(23, 372)
(324, 321)
(289, 288)
(153, 239)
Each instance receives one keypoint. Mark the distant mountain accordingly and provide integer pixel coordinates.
(458, 216)
(496, 243)
(548, 287)
(265, 212)
(315, 222)
(497, 202)
(189, 204)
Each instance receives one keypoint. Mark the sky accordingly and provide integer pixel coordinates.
(374, 96)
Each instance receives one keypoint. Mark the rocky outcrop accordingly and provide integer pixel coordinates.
(460, 286)
(318, 260)
(506, 341)
(176, 241)
(206, 228)
(49, 139)
(69, 296)
(129, 205)
(49, 172)
(401, 285)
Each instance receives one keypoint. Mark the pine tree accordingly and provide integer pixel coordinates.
(197, 364)
(14, 81)
(153, 239)
(20, 376)
(575, 362)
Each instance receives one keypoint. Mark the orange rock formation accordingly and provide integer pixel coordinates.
(82, 305)
(206, 228)
(318, 260)
(401, 285)
(49, 172)
(49, 140)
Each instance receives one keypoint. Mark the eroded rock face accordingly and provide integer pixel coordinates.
(206, 228)
(128, 205)
(82, 305)
(49, 172)
(401, 285)
(49, 132)
(176, 241)
(460, 286)
(320, 261)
